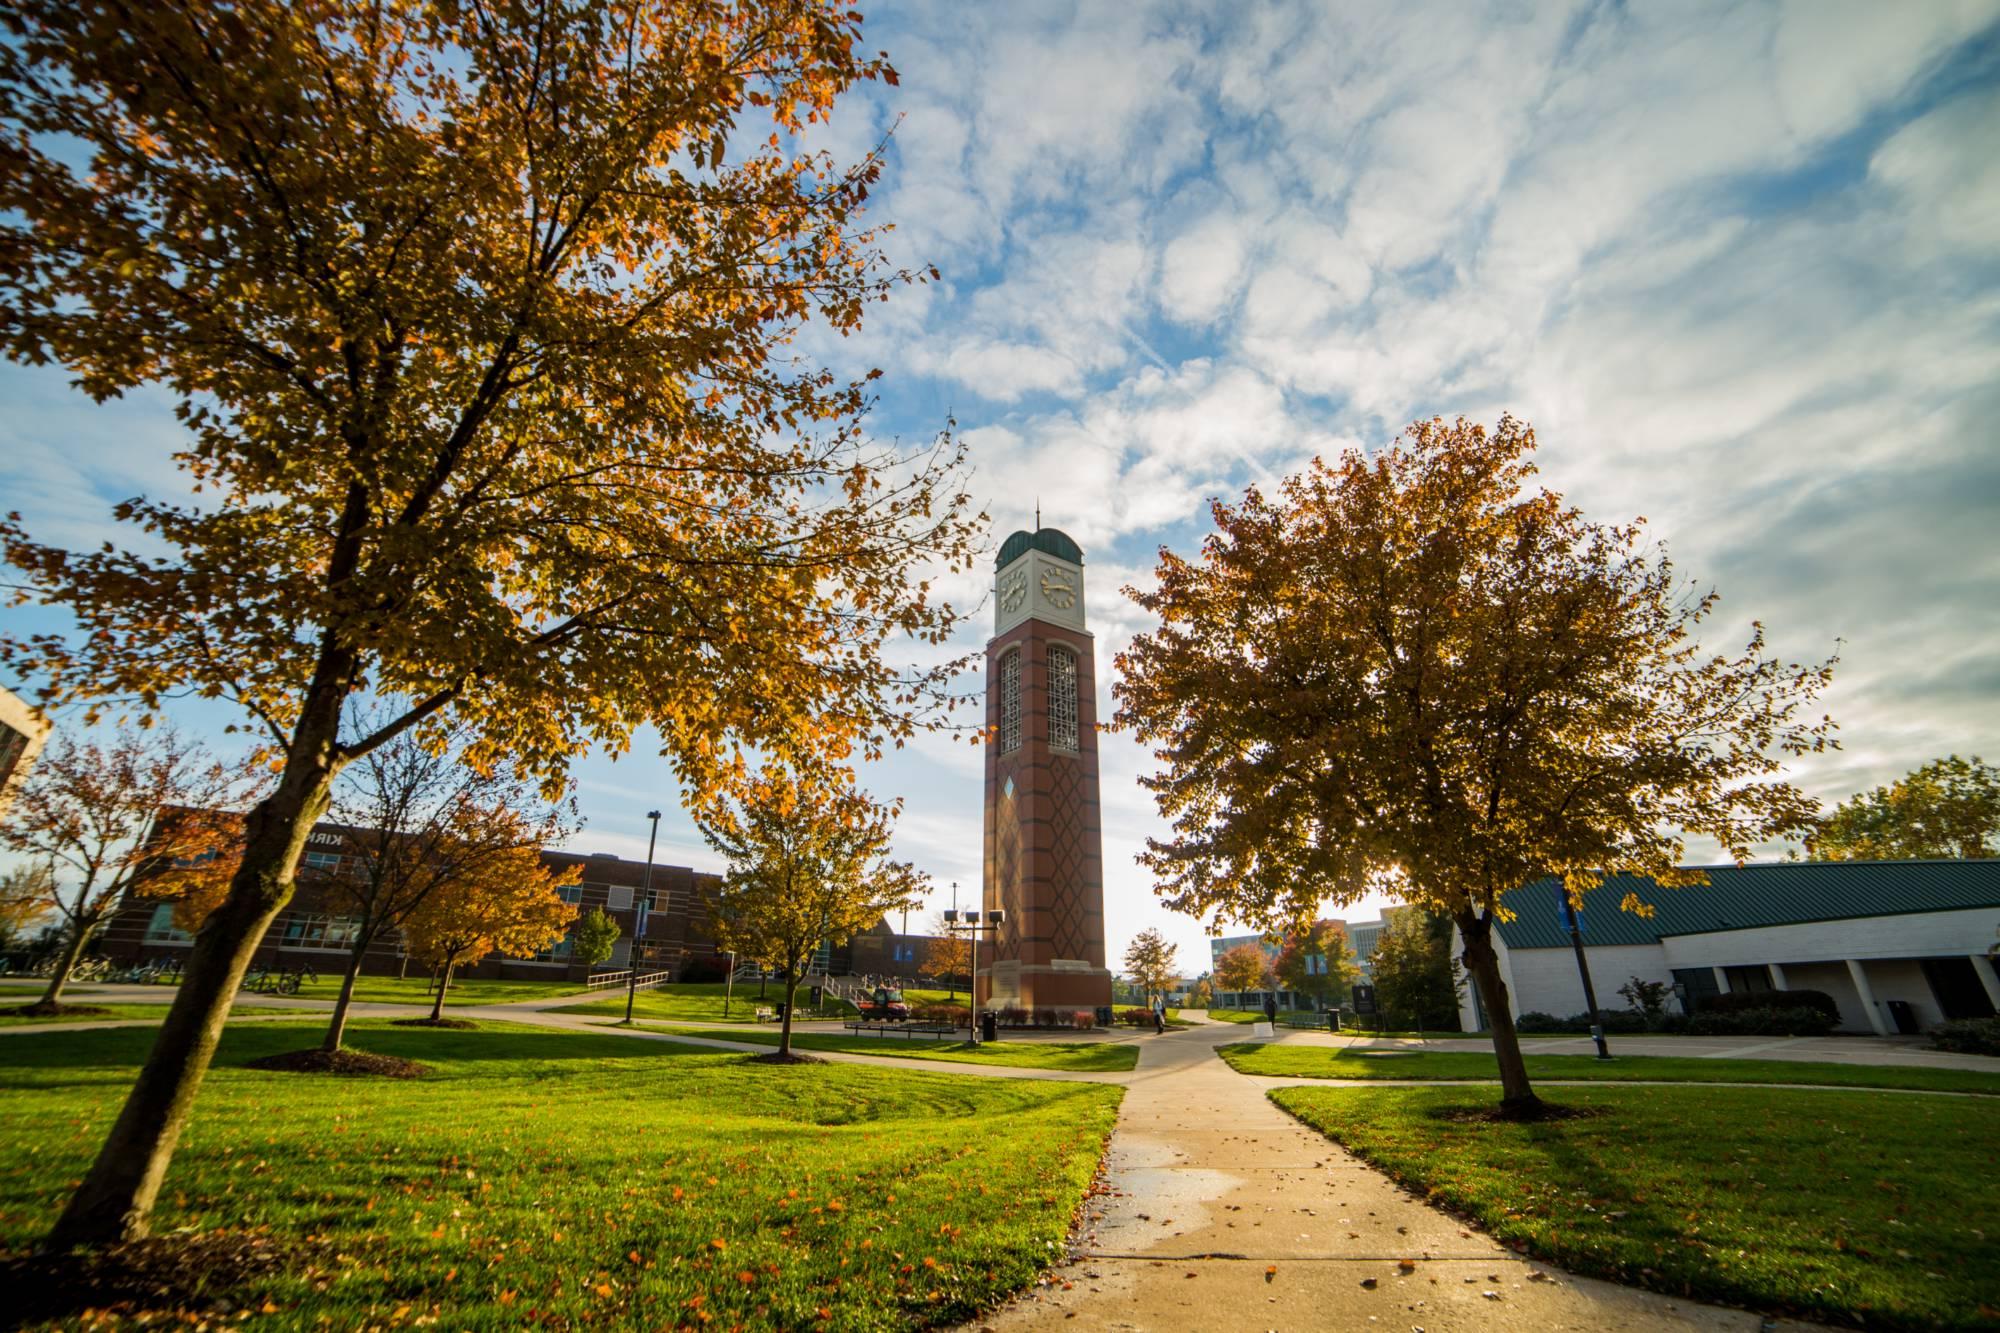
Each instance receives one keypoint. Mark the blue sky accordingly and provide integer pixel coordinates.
(1738, 264)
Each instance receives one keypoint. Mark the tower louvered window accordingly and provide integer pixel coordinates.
(1062, 699)
(1010, 702)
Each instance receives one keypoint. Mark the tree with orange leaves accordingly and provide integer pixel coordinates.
(148, 809)
(481, 320)
(1407, 664)
(503, 900)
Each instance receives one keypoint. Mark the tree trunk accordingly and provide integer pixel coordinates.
(444, 984)
(1517, 1099)
(116, 1198)
(791, 999)
(336, 1029)
(72, 953)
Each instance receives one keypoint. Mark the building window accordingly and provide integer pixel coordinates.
(161, 929)
(557, 952)
(571, 893)
(1062, 699)
(326, 861)
(311, 931)
(1010, 701)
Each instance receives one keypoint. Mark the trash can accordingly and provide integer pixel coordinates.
(1904, 1015)
(989, 1026)
(779, 1010)
(1333, 1020)
(1104, 1015)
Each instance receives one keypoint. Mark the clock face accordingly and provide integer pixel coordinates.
(1014, 590)
(1057, 589)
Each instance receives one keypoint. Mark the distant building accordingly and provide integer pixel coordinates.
(1899, 945)
(675, 936)
(23, 732)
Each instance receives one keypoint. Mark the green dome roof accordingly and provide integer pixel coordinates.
(1051, 541)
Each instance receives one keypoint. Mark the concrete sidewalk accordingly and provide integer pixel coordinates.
(1222, 1212)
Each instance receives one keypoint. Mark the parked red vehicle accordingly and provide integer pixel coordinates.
(885, 1006)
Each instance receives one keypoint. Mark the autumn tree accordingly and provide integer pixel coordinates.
(1415, 978)
(1948, 809)
(950, 954)
(1317, 961)
(1243, 968)
(511, 905)
(416, 817)
(1407, 663)
(1149, 961)
(482, 325)
(809, 863)
(145, 807)
(594, 937)
(25, 891)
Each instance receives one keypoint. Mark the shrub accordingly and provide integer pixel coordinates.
(1617, 1020)
(941, 1013)
(1738, 1001)
(1769, 1021)
(1535, 1021)
(1136, 1017)
(1969, 1036)
(1083, 1020)
(702, 967)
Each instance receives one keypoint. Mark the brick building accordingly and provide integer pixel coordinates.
(310, 931)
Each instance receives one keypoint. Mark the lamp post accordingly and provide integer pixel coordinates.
(973, 926)
(1583, 970)
(639, 920)
(729, 983)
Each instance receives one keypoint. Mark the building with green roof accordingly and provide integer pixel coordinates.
(1900, 945)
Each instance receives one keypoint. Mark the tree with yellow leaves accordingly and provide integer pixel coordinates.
(1408, 664)
(808, 864)
(481, 322)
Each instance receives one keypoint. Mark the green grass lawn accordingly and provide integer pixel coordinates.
(416, 990)
(125, 1013)
(571, 1178)
(1822, 1203)
(1089, 1056)
(687, 1002)
(1299, 1060)
(1257, 1016)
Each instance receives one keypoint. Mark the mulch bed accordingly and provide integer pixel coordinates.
(456, 1024)
(183, 1277)
(40, 1010)
(351, 1063)
(777, 1058)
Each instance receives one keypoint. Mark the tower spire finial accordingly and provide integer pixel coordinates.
(1038, 513)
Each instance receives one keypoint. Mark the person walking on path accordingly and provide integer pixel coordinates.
(1160, 1016)
(1270, 1008)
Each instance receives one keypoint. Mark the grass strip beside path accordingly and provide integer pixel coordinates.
(1096, 1057)
(417, 990)
(123, 1013)
(1300, 1060)
(1815, 1202)
(684, 1002)
(570, 1178)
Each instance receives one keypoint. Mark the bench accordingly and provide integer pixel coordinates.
(766, 1014)
(935, 1031)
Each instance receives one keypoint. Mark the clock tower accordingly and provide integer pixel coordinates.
(1044, 865)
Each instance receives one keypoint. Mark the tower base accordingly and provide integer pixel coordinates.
(1031, 986)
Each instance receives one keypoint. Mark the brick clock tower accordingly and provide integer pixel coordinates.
(1044, 853)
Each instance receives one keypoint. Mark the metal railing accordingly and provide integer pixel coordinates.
(620, 980)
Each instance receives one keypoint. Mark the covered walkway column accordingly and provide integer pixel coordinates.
(1989, 977)
(1777, 971)
(1867, 993)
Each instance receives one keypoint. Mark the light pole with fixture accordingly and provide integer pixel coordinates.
(639, 920)
(972, 926)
